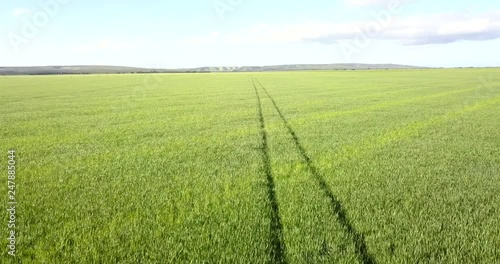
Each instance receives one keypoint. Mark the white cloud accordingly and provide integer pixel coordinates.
(415, 30)
(373, 3)
(267, 33)
(209, 39)
(104, 45)
(359, 3)
(445, 28)
(21, 12)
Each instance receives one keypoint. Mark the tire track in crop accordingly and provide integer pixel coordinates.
(383, 105)
(277, 254)
(337, 207)
(368, 145)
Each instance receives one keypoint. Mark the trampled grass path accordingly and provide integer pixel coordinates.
(277, 253)
(336, 205)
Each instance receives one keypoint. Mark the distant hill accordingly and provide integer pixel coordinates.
(52, 70)
(305, 67)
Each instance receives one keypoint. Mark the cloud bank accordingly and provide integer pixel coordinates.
(422, 30)
(412, 30)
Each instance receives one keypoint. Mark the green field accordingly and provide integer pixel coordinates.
(399, 166)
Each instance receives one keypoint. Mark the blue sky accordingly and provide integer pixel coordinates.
(177, 34)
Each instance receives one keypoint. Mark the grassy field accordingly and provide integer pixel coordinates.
(291, 167)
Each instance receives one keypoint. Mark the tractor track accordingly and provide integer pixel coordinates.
(277, 253)
(337, 208)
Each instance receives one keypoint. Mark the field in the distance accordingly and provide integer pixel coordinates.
(395, 166)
